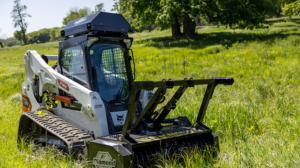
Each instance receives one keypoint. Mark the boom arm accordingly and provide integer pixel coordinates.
(34, 64)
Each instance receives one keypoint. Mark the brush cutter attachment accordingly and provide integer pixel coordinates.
(151, 134)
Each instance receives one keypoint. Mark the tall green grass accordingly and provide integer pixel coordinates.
(256, 118)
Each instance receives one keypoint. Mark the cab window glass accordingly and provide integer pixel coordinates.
(113, 64)
(111, 81)
(73, 65)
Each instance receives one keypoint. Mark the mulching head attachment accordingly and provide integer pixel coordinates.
(151, 134)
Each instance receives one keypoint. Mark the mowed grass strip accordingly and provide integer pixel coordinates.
(256, 118)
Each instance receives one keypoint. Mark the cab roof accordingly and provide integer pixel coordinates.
(99, 22)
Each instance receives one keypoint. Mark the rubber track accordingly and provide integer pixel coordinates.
(72, 136)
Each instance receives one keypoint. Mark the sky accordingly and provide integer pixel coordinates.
(44, 13)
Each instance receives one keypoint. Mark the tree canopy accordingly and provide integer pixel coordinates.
(244, 13)
(18, 35)
(165, 13)
(44, 35)
(76, 13)
(99, 8)
(291, 9)
(175, 14)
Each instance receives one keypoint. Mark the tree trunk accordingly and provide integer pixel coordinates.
(189, 26)
(24, 38)
(198, 20)
(176, 25)
(210, 17)
(278, 13)
(1, 44)
(149, 28)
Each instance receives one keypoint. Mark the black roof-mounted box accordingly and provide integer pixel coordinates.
(102, 21)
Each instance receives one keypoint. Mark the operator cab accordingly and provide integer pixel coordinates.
(95, 54)
(112, 78)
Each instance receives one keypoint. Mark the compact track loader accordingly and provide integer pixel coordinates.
(90, 103)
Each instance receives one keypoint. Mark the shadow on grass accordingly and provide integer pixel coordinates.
(215, 38)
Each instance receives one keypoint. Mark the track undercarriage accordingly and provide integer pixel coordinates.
(50, 129)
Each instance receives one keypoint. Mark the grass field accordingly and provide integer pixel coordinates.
(257, 118)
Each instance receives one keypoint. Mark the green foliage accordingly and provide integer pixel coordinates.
(187, 7)
(174, 13)
(75, 13)
(44, 35)
(40, 36)
(249, 13)
(275, 7)
(116, 6)
(19, 14)
(18, 35)
(11, 42)
(291, 9)
(99, 8)
(165, 13)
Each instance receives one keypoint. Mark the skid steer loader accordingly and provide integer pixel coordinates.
(89, 101)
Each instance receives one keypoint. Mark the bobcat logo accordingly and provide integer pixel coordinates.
(95, 97)
(120, 117)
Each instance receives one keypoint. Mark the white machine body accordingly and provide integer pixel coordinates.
(92, 116)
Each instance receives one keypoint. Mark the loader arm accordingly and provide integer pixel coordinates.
(34, 64)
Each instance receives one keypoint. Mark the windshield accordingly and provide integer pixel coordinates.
(112, 81)
(73, 65)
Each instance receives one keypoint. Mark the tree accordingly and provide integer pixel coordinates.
(19, 14)
(210, 9)
(169, 15)
(291, 9)
(276, 6)
(44, 35)
(18, 35)
(244, 13)
(99, 8)
(165, 13)
(116, 6)
(75, 13)
(142, 13)
(2, 39)
(176, 13)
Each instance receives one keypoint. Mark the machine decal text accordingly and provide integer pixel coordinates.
(63, 84)
(104, 159)
(98, 105)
